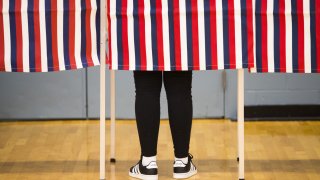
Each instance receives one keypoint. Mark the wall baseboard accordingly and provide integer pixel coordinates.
(283, 112)
(252, 113)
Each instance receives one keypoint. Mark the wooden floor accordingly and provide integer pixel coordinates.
(70, 150)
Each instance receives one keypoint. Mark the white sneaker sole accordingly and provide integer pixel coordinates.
(144, 177)
(184, 175)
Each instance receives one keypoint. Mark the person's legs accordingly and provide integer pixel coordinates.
(178, 89)
(147, 107)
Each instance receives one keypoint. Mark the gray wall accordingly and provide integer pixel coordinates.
(273, 89)
(208, 95)
(66, 95)
(46, 95)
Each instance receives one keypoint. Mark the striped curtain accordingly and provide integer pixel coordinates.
(175, 35)
(287, 36)
(48, 35)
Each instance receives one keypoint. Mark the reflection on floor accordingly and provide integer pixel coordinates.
(70, 150)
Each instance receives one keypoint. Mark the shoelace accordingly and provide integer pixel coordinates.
(191, 156)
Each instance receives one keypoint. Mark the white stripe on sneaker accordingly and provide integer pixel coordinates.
(138, 170)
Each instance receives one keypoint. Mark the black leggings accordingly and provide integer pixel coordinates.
(147, 107)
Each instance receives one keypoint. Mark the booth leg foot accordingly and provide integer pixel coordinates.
(113, 160)
(238, 159)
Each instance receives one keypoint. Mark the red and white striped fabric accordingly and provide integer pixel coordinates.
(175, 35)
(287, 36)
(48, 35)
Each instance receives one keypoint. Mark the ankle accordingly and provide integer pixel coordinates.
(184, 160)
(147, 160)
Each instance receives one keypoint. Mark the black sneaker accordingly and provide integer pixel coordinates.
(183, 171)
(149, 172)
